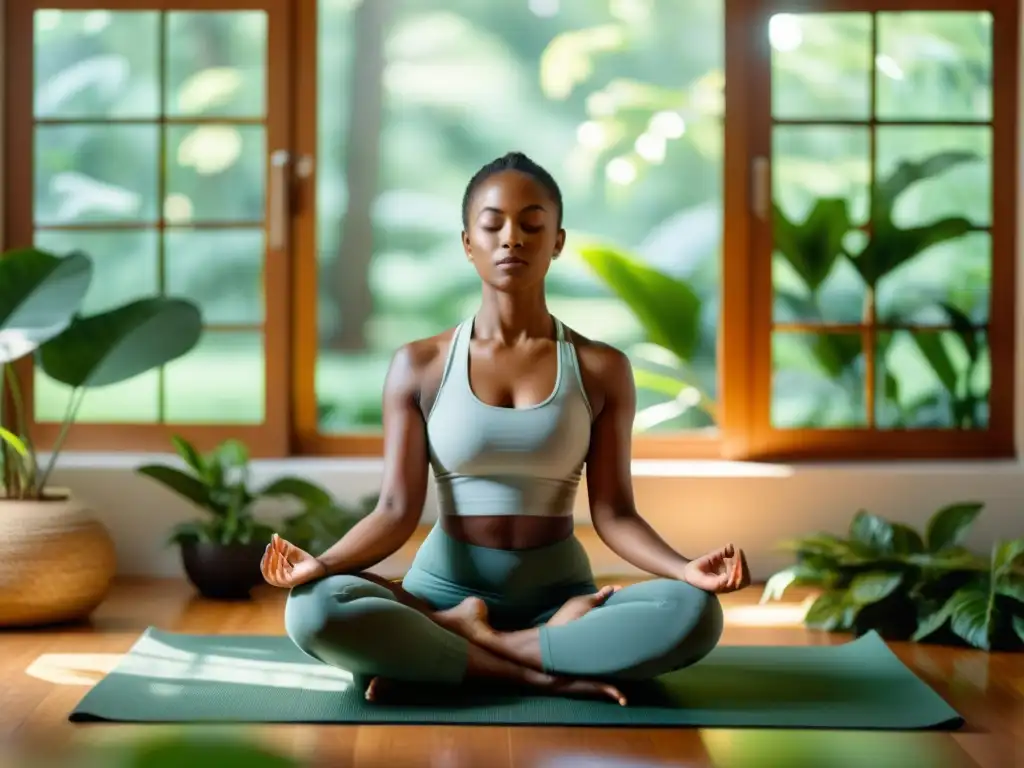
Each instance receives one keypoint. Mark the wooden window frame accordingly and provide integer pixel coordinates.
(997, 440)
(272, 437)
(744, 336)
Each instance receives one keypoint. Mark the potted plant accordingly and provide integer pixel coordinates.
(221, 551)
(888, 577)
(56, 558)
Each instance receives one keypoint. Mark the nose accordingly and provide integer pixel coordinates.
(511, 237)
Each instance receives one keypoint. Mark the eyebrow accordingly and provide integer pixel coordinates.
(534, 207)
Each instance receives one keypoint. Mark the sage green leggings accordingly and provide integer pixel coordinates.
(642, 631)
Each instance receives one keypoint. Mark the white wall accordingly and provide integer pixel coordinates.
(694, 505)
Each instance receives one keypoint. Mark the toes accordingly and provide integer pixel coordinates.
(615, 695)
(375, 689)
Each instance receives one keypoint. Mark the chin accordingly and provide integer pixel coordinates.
(514, 283)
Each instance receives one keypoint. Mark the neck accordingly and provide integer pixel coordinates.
(509, 317)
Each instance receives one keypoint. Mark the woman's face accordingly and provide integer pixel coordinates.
(512, 231)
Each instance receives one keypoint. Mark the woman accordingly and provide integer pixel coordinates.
(507, 409)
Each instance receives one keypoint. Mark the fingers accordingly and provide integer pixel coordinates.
(603, 594)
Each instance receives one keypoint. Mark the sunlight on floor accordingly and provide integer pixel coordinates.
(153, 659)
(770, 615)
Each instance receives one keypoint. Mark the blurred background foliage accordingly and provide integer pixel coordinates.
(623, 101)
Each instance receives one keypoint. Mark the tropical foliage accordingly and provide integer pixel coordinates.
(41, 295)
(888, 577)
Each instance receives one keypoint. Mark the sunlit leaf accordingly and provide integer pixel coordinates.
(950, 525)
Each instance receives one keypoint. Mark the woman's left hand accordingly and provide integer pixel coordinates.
(723, 570)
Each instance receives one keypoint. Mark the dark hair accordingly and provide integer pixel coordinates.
(512, 161)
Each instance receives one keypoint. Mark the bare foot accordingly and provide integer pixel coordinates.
(467, 619)
(587, 689)
(578, 607)
(380, 688)
(377, 689)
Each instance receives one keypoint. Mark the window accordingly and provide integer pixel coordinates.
(811, 303)
(884, 246)
(151, 129)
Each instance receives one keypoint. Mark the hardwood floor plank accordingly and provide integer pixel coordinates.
(45, 673)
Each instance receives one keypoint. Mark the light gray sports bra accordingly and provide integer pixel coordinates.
(493, 460)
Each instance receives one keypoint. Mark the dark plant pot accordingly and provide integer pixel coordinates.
(223, 571)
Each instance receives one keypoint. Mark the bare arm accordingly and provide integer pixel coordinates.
(404, 485)
(609, 473)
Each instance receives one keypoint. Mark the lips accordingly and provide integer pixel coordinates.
(510, 260)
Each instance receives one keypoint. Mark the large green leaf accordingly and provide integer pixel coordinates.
(1018, 627)
(905, 540)
(798, 573)
(891, 246)
(934, 351)
(1011, 586)
(834, 352)
(949, 526)
(830, 548)
(828, 612)
(667, 308)
(1004, 555)
(908, 173)
(866, 588)
(813, 246)
(181, 483)
(932, 623)
(123, 343)
(189, 454)
(39, 295)
(873, 531)
(971, 615)
(310, 494)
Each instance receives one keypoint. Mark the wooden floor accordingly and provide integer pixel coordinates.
(45, 673)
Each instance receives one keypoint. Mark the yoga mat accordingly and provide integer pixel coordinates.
(180, 678)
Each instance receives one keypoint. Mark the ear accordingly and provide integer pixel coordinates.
(559, 243)
(466, 247)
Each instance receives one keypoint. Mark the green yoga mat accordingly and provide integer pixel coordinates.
(171, 677)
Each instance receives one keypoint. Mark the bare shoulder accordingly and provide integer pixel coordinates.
(606, 370)
(417, 366)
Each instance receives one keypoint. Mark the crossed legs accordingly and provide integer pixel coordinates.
(373, 627)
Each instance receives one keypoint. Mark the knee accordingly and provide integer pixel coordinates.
(312, 607)
(694, 619)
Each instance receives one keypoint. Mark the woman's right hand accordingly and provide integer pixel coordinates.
(285, 565)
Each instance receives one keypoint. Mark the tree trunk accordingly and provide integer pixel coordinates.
(350, 270)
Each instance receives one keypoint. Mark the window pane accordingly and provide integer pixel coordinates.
(628, 122)
(934, 66)
(821, 65)
(216, 64)
(136, 401)
(96, 64)
(960, 189)
(937, 380)
(220, 270)
(95, 173)
(817, 380)
(812, 281)
(125, 264)
(221, 381)
(956, 272)
(215, 173)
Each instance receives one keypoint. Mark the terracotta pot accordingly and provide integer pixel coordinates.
(56, 560)
(223, 571)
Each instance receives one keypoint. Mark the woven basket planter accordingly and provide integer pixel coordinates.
(56, 561)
